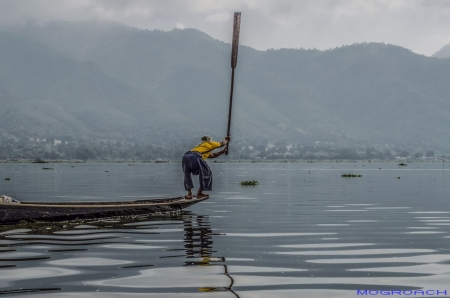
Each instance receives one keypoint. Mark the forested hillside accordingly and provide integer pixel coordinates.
(91, 82)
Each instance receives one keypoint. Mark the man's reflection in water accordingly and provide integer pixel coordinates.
(198, 243)
(197, 238)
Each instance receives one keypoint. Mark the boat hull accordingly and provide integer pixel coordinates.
(46, 211)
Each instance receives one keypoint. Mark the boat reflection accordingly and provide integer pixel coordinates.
(136, 253)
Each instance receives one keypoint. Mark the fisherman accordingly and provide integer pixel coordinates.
(193, 162)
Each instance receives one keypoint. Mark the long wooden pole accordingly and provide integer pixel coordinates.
(234, 56)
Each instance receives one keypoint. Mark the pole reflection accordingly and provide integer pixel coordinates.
(198, 243)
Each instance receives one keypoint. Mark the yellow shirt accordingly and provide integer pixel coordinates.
(205, 148)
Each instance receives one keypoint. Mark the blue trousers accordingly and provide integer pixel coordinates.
(193, 164)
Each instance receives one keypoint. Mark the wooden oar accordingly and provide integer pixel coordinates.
(234, 55)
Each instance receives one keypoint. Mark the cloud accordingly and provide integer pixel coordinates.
(420, 25)
(219, 17)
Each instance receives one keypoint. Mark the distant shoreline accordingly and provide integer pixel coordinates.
(435, 160)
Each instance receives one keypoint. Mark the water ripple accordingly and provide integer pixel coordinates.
(310, 235)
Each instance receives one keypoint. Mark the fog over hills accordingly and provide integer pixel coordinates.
(444, 52)
(108, 81)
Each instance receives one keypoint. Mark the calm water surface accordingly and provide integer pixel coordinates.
(302, 232)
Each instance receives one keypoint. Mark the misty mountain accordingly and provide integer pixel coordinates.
(444, 52)
(47, 93)
(107, 80)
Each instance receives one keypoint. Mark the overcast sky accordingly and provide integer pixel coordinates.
(420, 25)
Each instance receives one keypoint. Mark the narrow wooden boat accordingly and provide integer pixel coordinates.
(48, 211)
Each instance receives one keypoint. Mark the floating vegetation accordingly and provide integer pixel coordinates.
(248, 183)
(350, 175)
(7, 178)
(402, 164)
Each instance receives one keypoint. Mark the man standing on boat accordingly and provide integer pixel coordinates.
(193, 162)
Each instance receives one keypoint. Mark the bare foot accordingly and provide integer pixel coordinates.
(202, 194)
(188, 197)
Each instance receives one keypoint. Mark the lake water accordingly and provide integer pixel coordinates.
(302, 232)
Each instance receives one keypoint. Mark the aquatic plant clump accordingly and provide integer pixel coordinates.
(350, 175)
(248, 183)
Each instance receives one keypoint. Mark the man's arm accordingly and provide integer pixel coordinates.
(217, 154)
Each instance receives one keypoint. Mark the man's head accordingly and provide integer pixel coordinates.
(206, 138)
